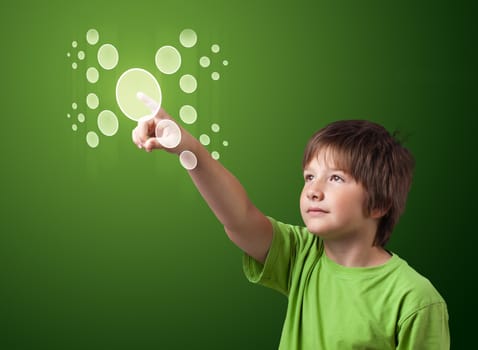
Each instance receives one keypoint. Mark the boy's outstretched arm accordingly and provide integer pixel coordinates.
(245, 225)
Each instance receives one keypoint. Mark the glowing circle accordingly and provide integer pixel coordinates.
(81, 55)
(130, 83)
(204, 139)
(74, 65)
(225, 62)
(215, 155)
(92, 36)
(204, 61)
(168, 133)
(108, 56)
(92, 75)
(107, 123)
(188, 38)
(215, 127)
(92, 101)
(188, 114)
(225, 143)
(188, 160)
(215, 48)
(74, 44)
(168, 59)
(74, 105)
(92, 139)
(81, 117)
(188, 83)
(74, 127)
(215, 76)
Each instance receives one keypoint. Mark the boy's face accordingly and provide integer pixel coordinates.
(332, 201)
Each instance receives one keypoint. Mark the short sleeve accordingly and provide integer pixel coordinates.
(287, 242)
(426, 329)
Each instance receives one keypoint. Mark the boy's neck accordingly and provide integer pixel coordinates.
(355, 254)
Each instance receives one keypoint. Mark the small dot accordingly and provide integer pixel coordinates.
(81, 117)
(215, 48)
(74, 127)
(68, 115)
(81, 55)
(225, 62)
(74, 44)
(215, 155)
(215, 76)
(204, 139)
(74, 105)
(215, 127)
(74, 65)
(225, 143)
(204, 61)
(68, 54)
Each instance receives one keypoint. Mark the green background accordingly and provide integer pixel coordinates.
(113, 248)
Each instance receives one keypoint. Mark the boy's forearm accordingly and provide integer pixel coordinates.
(221, 190)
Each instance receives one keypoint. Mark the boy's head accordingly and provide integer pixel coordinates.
(375, 159)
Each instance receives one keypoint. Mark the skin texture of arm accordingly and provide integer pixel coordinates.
(245, 225)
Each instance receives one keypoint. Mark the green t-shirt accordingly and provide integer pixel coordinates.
(330, 306)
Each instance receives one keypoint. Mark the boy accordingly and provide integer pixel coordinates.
(345, 290)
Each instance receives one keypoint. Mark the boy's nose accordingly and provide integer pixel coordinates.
(315, 193)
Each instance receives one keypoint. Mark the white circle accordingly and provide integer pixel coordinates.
(130, 83)
(204, 61)
(225, 143)
(168, 133)
(74, 105)
(92, 139)
(188, 160)
(188, 38)
(108, 56)
(188, 83)
(74, 127)
(92, 75)
(74, 65)
(215, 155)
(81, 55)
(74, 44)
(92, 36)
(108, 123)
(168, 59)
(81, 117)
(92, 101)
(215, 76)
(188, 114)
(215, 127)
(204, 139)
(215, 48)
(225, 62)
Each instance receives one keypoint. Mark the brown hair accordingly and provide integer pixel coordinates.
(374, 158)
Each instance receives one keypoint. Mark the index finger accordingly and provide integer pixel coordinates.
(148, 101)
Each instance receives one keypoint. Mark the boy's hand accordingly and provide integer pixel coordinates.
(144, 135)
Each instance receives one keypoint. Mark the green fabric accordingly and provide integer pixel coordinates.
(330, 306)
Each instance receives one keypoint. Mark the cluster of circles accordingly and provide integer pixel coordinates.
(137, 82)
(108, 59)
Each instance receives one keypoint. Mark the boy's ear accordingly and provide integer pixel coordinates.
(378, 213)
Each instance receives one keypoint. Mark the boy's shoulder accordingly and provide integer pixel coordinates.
(415, 288)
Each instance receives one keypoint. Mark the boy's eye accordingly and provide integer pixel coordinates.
(336, 178)
(308, 177)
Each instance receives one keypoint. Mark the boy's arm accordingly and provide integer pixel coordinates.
(245, 225)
